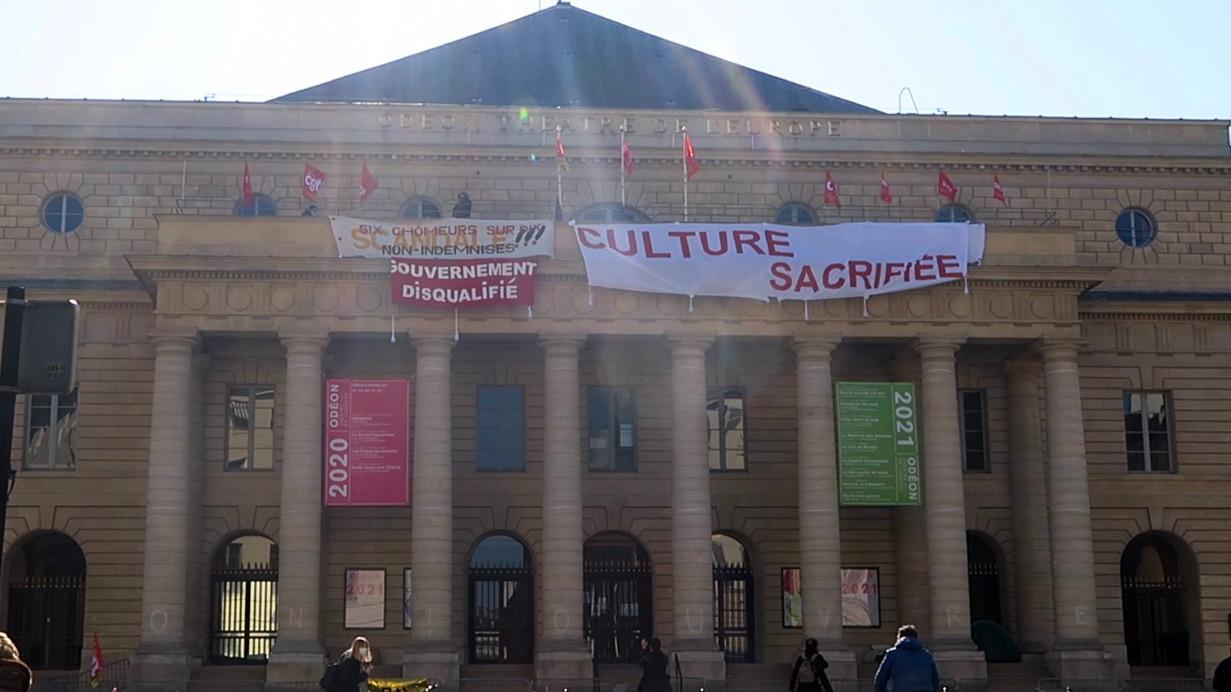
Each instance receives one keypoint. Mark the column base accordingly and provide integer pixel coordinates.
(960, 662)
(432, 660)
(701, 667)
(295, 666)
(154, 669)
(563, 661)
(1080, 662)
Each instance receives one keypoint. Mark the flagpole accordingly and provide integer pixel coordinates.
(684, 160)
(623, 201)
(559, 173)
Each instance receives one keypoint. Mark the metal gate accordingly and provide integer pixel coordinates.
(1155, 633)
(501, 614)
(734, 624)
(243, 614)
(46, 620)
(617, 609)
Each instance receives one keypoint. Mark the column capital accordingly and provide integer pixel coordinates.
(1024, 366)
(436, 344)
(1059, 349)
(683, 344)
(172, 340)
(301, 342)
(562, 343)
(811, 347)
(937, 347)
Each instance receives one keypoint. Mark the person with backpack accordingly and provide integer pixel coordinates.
(653, 662)
(350, 670)
(908, 665)
(808, 673)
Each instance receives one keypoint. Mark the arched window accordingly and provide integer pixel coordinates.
(1162, 616)
(260, 205)
(62, 212)
(47, 601)
(795, 214)
(618, 597)
(734, 599)
(244, 601)
(500, 625)
(611, 213)
(420, 208)
(1136, 227)
(954, 213)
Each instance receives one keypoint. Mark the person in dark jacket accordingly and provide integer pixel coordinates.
(808, 673)
(1222, 676)
(353, 667)
(653, 664)
(908, 665)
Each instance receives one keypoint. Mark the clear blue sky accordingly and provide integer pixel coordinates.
(1124, 58)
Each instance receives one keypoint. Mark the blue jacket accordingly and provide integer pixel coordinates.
(910, 667)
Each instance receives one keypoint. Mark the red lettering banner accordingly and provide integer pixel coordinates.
(463, 283)
(367, 443)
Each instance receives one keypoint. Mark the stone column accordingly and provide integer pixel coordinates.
(820, 544)
(1032, 557)
(945, 507)
(692, 595)
(910, 533)
(165, 653)
(432, 653)
(298, 654)
(1078, 652)
(563, 653)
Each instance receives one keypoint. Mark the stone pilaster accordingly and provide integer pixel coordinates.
(1032, 557)
(945, 507)
(820, 544)
(1077, 652)
(432, 653)
(692, 594)
(563, 653)
(165, 653)
(298, 654)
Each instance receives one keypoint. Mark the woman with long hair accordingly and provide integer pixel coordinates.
(653, 662)
(808, 673)
(352, 667)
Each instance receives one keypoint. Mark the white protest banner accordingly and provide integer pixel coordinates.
(765, 261)
(443, 238)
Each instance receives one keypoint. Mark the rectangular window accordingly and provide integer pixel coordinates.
(1147, 431)
(51, 426)
(501, 443)
(612, 416)
(724, 411)
(973, 410)
(250, 427)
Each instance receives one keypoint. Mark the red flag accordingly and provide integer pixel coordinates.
(313, 181)
(246, 187)
(831, 191)
(691, 164)
(561, 156)
(886, 193)
(96, 663)
(367, 183)
(627, 155)
(997, 190)
(945, 187)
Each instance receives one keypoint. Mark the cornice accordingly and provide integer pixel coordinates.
(1148, 316)
(824, 160)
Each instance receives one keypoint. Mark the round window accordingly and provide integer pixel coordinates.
(1136, 228)
(63, 212)
(954, 213)
(795, 214)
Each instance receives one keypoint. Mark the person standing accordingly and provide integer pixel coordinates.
(351, 669)
(1222, 676)
(808, 673)
(908, 665)
(653, 662)
(15, 675)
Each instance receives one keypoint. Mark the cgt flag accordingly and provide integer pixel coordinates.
(831, 191)
(313, 181)
(245, 187)
(626, 156)
(886, 193)
(561, 156)
(367, 183)
(998, 190)
(945, 187)
(691, 164)
(96, 663)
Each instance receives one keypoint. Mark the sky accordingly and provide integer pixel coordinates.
(1090, 58)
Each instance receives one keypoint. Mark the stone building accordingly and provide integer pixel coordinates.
(1074, 400)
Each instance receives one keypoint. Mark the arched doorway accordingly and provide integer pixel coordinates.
(618, 597)
(243, 619)
(734, 621)
(1158, 595)
(983, 568)
(500, 622)
(47, 601)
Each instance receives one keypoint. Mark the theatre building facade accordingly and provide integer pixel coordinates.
(270, 451)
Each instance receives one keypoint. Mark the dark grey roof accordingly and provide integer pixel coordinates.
(565, 56)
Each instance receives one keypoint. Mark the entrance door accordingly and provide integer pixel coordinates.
(1152, 592)
(500, 618)
(734, 625)
(47, 601)
(983, 568)
(244, 601)
(618, 597)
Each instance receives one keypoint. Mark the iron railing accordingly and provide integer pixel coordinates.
(617, 609)
(243, 614)
(734, 626)
(46, 620)
(501, 614)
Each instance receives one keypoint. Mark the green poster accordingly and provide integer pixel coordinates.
(878, 444)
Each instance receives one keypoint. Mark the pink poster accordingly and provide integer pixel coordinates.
(367, 443)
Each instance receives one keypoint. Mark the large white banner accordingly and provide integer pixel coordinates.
(443, 238)
(765, 261)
